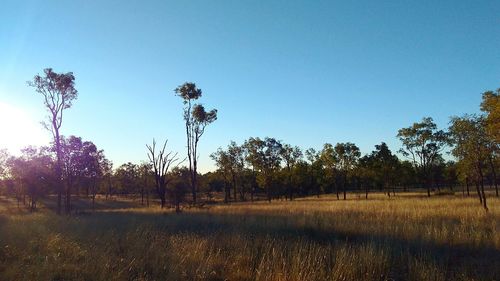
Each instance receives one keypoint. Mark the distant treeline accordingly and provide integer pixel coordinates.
(258, 168)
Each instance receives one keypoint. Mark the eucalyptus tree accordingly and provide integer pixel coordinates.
(107, 174)
(367, 172)
(196, 119)
(316, 171)
(265, 158)
(237, 159)
(329, 162)
(80, 167)
(58, 91)
(470, 142)
(162, 161)
(145, 175)
(253, 156)
(451, 174)
(127, 177)
(224, 166)
(385, 165)
(490, 106)
(347, 155)
(90, 165)
(291, 155)
(33, 173)
(422, 144)
(254, 150)
(179, 183)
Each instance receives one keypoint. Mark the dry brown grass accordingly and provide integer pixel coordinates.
(407, 237)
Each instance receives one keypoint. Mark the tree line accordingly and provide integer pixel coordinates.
(435, 160)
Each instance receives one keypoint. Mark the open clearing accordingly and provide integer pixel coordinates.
(407, 237)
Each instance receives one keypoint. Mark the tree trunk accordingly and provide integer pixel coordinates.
(467, 185)
(142, 196)
(479, 192)
(68, 200)
(226, 192)
(233, 176)
(193, 186)
(481, 180)
(177, 202)
(344, 186)
(337, 188)
(58, 166)
(492, 165)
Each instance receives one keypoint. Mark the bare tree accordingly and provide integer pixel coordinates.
(58, 91)
(161, 162)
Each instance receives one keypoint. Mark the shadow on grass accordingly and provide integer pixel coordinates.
(84, 205)
(479, 260)
(484, 259)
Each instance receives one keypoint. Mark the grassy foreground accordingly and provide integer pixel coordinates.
(407, 237)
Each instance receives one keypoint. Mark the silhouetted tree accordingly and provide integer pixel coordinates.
(58, 90)
(161, 161)
(33, 173)
(179, 185)
(385, 164)
(196, 118)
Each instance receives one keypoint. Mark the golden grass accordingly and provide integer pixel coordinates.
(407, 237)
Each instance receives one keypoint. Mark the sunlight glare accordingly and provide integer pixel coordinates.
(18, 129)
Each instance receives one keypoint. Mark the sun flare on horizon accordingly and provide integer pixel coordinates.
(19, 129)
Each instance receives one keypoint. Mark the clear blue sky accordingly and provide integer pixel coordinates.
(305, 72)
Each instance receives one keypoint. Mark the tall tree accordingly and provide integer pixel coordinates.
(196, 119)
(58, 91)
(490, 105)
(422, 144)
(470, 141)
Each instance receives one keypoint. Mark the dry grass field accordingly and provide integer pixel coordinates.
(407, 237)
